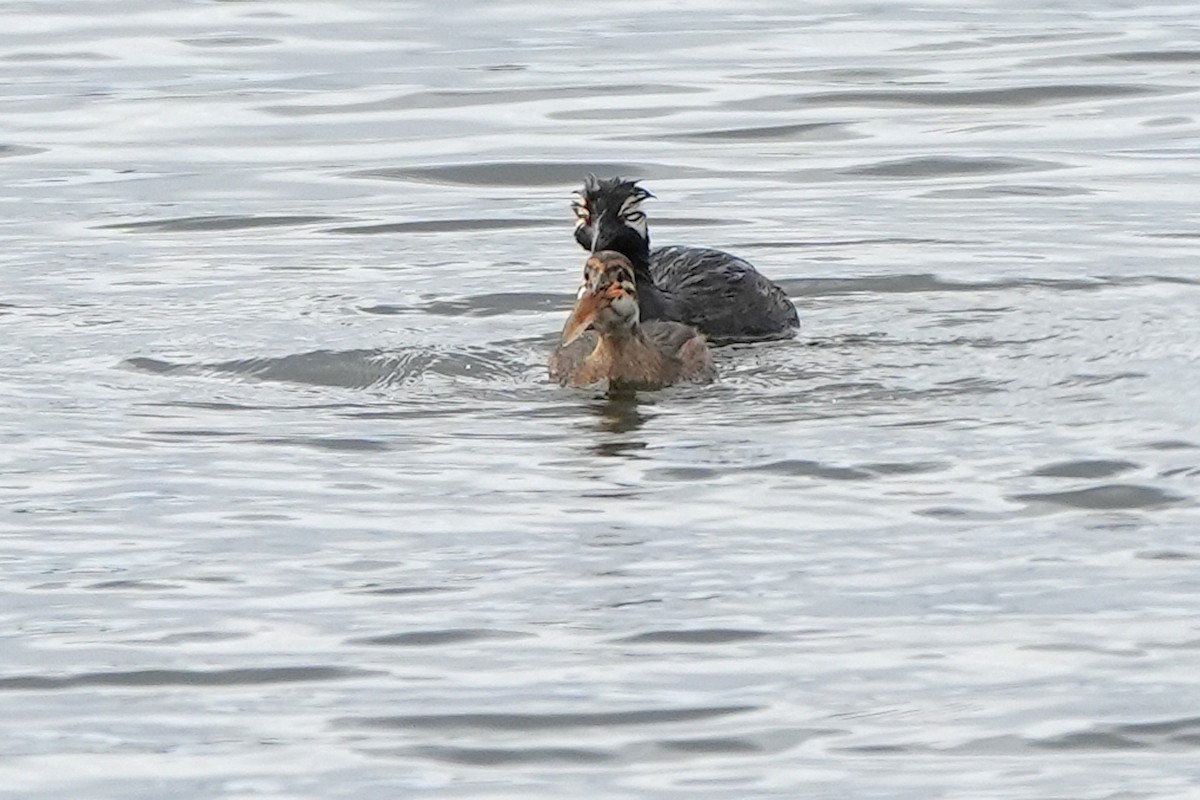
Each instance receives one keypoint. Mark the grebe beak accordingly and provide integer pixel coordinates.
(600, 231)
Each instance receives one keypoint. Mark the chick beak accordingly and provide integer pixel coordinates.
(590, 301)
(582, 316)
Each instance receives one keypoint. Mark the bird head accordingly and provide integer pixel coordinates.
(609, 216)
(607, 301)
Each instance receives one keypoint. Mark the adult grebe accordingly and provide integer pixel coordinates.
(628, 353)
(723, 296)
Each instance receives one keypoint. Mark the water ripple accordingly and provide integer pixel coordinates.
(473, 98)
(552, 721)
(435, 638)
(1085, 468)
(694, 636)
(1014, 96)
(223, 222)
(1110, 497)
(153, 678)
(938, 166)
(355, 368)
(516, 173)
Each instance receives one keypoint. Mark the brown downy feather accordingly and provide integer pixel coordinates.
(603, 340)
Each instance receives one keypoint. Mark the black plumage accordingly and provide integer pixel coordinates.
(722, 295)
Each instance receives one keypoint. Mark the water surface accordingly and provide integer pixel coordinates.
(289, 510)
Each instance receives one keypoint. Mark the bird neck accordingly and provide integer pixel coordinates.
(621, 336)
(654, 302)
(625, 357)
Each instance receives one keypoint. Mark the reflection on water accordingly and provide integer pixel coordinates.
(619, 412)
(288, 507)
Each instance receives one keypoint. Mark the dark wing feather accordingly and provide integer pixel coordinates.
(667, 336)
(723, 295)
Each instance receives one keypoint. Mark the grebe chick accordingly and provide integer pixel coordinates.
(628, 353)
(723, 296)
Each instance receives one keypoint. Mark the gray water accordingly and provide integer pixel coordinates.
(289, 510)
